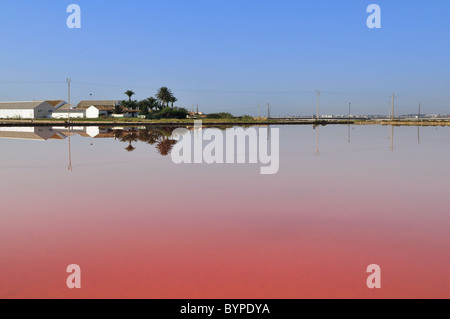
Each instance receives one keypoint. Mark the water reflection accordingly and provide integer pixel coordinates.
(159, 137)
(355, 204)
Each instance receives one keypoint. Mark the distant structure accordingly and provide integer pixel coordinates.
(105, 107)
(26, 110)
(63, 113)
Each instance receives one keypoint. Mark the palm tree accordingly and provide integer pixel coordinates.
(129, 93)
(173, 100)
(164, 95)
(118, 109)
(148, 105)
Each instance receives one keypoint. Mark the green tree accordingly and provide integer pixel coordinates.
(118, 109)
(129, 93)
(164, 95)
(173, 100)
(129, 105)
(147, 105)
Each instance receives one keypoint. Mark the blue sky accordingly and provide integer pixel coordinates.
(230, 55)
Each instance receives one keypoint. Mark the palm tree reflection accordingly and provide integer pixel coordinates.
(160, 137)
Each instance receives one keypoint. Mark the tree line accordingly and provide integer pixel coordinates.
(162, 103)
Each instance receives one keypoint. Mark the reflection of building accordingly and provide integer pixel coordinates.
(89, 131)
(47, 133)
(29, 133)
(26, 110)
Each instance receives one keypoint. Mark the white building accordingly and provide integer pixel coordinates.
(92, 112)
(25, 110)
(89, 113)
(105, 107)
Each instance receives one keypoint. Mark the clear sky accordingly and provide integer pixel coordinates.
(230, 55)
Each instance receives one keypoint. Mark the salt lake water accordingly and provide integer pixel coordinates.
(112, 201)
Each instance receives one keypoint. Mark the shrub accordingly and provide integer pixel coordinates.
(170, 113)
(220, 116)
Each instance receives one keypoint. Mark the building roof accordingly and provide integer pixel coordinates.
(55, 103)
(20, 105)
(103, 105)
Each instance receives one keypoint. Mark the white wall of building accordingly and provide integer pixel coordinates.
(31, 110)
(92, 113)
(43, 110)
(17, 114)
(65, 115)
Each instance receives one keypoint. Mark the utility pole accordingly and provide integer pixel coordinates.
(390, 110)
(318, 102)
(69, 82)
(259, 110)
(349, 109)
(393, 106)
(418, 115)
(268, 111)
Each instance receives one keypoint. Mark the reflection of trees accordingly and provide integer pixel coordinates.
(130, 138)
(160, 137)
(165, 146)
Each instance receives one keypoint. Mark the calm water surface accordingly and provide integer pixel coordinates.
(141, 226)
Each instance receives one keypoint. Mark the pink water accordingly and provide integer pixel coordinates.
(140, 226)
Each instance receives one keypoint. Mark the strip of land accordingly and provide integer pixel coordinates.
(212, 122)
